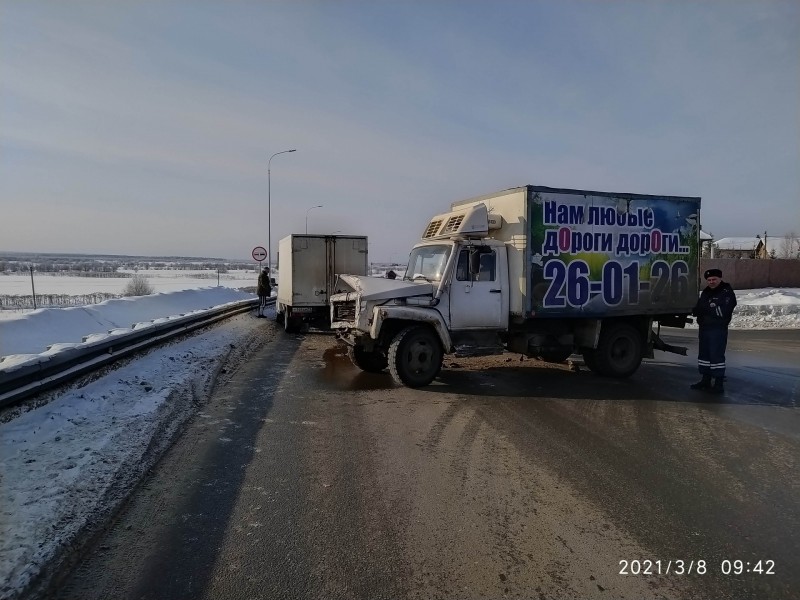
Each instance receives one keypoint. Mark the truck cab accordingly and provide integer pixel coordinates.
(453, 298)
(473, 275)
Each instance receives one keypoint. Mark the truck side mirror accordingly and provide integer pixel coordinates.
(474, 262)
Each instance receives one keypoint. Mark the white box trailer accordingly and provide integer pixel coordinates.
(308, 266)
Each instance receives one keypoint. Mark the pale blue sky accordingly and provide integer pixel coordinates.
(145, 127)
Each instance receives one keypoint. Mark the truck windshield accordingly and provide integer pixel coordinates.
(427, 262)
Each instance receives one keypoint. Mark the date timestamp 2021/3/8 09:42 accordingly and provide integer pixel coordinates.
(695, 567)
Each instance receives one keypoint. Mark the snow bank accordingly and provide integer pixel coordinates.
(66, 465)
(33, 332)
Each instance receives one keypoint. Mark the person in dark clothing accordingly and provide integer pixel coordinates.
(713, 310)
(391, 275)
(264, 291)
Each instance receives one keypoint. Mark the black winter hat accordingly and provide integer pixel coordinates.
(712, 273)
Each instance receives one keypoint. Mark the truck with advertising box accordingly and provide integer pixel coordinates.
(540, 271)
(307, 269)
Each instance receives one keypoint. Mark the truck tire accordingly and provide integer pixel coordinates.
(619, 351)
(371, 362)
(415, 356)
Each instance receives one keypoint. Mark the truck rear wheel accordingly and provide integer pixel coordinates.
(371, 362)
(619, 351)
(415, 356)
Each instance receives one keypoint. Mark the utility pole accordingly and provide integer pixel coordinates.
(33, 289)
(269, 205)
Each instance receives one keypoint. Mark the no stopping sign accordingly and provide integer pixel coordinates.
(259, 253)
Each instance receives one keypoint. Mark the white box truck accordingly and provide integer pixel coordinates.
(307, 270)
(535, 270)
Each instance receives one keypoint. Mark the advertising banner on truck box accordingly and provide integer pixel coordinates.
(595, 255)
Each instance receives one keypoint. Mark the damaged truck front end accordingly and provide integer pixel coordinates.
(393, 323)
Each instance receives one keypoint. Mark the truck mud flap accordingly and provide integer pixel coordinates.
(660, 344)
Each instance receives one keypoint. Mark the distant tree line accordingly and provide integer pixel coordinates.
(110, 265)
(83, 269)
(12, 301)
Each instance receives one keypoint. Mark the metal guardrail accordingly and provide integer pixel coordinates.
(27, 380)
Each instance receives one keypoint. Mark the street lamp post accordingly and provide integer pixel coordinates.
(269, 206)
(308, 211)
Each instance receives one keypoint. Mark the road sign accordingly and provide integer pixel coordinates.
(259, 253)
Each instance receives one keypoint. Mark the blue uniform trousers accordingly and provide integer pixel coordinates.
(711, 357)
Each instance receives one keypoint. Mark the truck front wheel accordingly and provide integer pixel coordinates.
(619, 351)
(371, 362)
(415, 356)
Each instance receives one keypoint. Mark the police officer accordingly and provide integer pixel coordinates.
(713, 310)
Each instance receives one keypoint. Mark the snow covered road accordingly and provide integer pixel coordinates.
(65, 465)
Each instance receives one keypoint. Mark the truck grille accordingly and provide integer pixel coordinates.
(344, 311)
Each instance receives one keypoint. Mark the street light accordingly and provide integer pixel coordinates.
(269, 206)
(308, 211)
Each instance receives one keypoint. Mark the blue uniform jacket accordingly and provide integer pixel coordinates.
(715, 307)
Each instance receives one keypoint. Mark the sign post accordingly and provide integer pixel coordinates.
(33, 289)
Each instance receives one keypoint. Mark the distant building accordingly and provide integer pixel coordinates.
(754, 247)
(739, 247)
